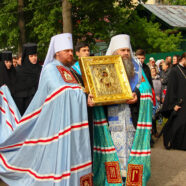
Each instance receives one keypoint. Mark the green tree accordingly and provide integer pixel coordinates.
(149, 36)
(13, 32)
(42, 19)
(175, 2)
(91, 20)
(46, 21)
(9, 31)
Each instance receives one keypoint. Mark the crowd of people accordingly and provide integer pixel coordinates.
(163, 78)
(59, 133)
(21, 75)
(160, 75)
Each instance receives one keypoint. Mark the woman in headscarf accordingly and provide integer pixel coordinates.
(7, 71)
(27, 77)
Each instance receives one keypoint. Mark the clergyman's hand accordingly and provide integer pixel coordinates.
(134, 100)
(90, 100)
(176, 108)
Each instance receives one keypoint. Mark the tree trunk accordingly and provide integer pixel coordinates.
(21, 23)
(67, 16)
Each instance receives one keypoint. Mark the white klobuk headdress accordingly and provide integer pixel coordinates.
(117, 42)
(57, 43)
(123, 41)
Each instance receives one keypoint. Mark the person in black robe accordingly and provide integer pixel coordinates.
(7, 71)
(18, 62)
(27, 77)
(175, 60)
(174, 107)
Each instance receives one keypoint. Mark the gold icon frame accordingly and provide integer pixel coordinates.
(105, 78)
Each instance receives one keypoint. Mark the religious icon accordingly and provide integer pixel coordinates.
(105, 78)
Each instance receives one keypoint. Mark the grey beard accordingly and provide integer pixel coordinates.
(129, 67)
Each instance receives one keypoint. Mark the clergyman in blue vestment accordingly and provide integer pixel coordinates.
(49, 145)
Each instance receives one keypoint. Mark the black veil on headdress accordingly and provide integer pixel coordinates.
(6, 56)
(28, 74)
(28, 49)
(7, 76)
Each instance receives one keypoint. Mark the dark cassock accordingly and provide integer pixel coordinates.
(7, 71)
(175, 129)
(27, 78)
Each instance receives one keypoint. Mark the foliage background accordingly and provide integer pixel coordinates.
(91, 20)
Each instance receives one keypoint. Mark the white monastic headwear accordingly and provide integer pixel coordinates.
(123, 41)
(117, 42)
(58, 43)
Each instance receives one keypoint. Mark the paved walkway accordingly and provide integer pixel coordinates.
(168, 167)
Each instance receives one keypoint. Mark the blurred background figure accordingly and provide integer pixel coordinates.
(169, 59)
(19, 61)
(166, 68)
(158, 93)
(14, 60)
(156, 84)
(175, 60)
(152, 64)
(27, 77)
(7, 71)
(159, 65)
